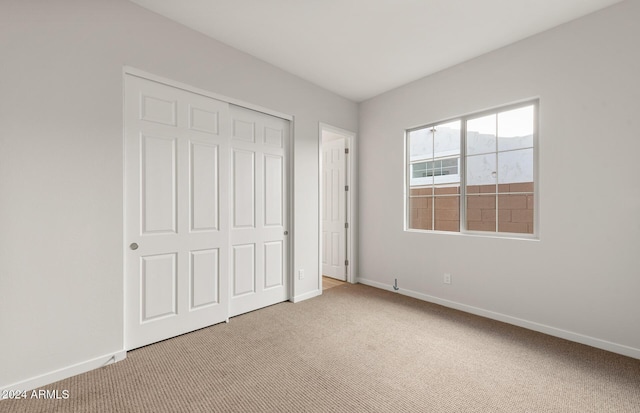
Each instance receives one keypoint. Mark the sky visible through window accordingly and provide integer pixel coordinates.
(512, 123)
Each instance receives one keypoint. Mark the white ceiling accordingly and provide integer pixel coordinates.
(361, 48)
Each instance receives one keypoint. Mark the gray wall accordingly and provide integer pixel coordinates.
(61, 170)
(581, 279)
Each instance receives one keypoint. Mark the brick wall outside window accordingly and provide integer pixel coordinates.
(514, 201)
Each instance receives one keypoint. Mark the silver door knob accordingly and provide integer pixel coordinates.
(286, 233)
(133, 246)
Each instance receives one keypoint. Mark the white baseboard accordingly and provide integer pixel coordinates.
(306, 296)
(531, 325)
(66, 372)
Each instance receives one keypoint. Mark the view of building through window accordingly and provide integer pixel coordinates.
(485, 162)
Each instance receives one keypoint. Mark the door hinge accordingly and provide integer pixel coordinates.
(346, 187)
(346, 150)
(346, 225)
(346, 262)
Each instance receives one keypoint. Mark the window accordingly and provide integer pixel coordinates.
(475, 173)
(438, 167)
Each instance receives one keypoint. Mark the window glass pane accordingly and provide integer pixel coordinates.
(447, 153)
(447, 139)
(515, 129)
(431, 168)
(420, 212)
(446, 167)
(526, 187)
(481, 170)
(419, 170)
(481, 213)
(447, 190)
(420, 144)
(515, 167)
(422, 191)
(447, 213)
(515, 213)
(450, 163)
(481, 135)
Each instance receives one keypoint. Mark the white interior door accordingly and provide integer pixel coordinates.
(176, 228)
(259, 200)
(334, 209)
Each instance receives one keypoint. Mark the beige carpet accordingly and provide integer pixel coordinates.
(355, 349)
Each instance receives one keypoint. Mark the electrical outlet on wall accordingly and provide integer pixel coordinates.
(301, 274)
(447, 278)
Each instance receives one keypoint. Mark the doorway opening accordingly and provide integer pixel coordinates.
(337, 199)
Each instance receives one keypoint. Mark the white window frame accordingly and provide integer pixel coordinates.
(461, 177)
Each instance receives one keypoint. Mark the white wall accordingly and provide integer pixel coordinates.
(581, 279)
(61, 170)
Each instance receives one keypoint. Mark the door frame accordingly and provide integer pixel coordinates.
(350, 199)
(132, 71)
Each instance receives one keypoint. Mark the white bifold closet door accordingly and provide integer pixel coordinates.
(258, 210)
(186, 190)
